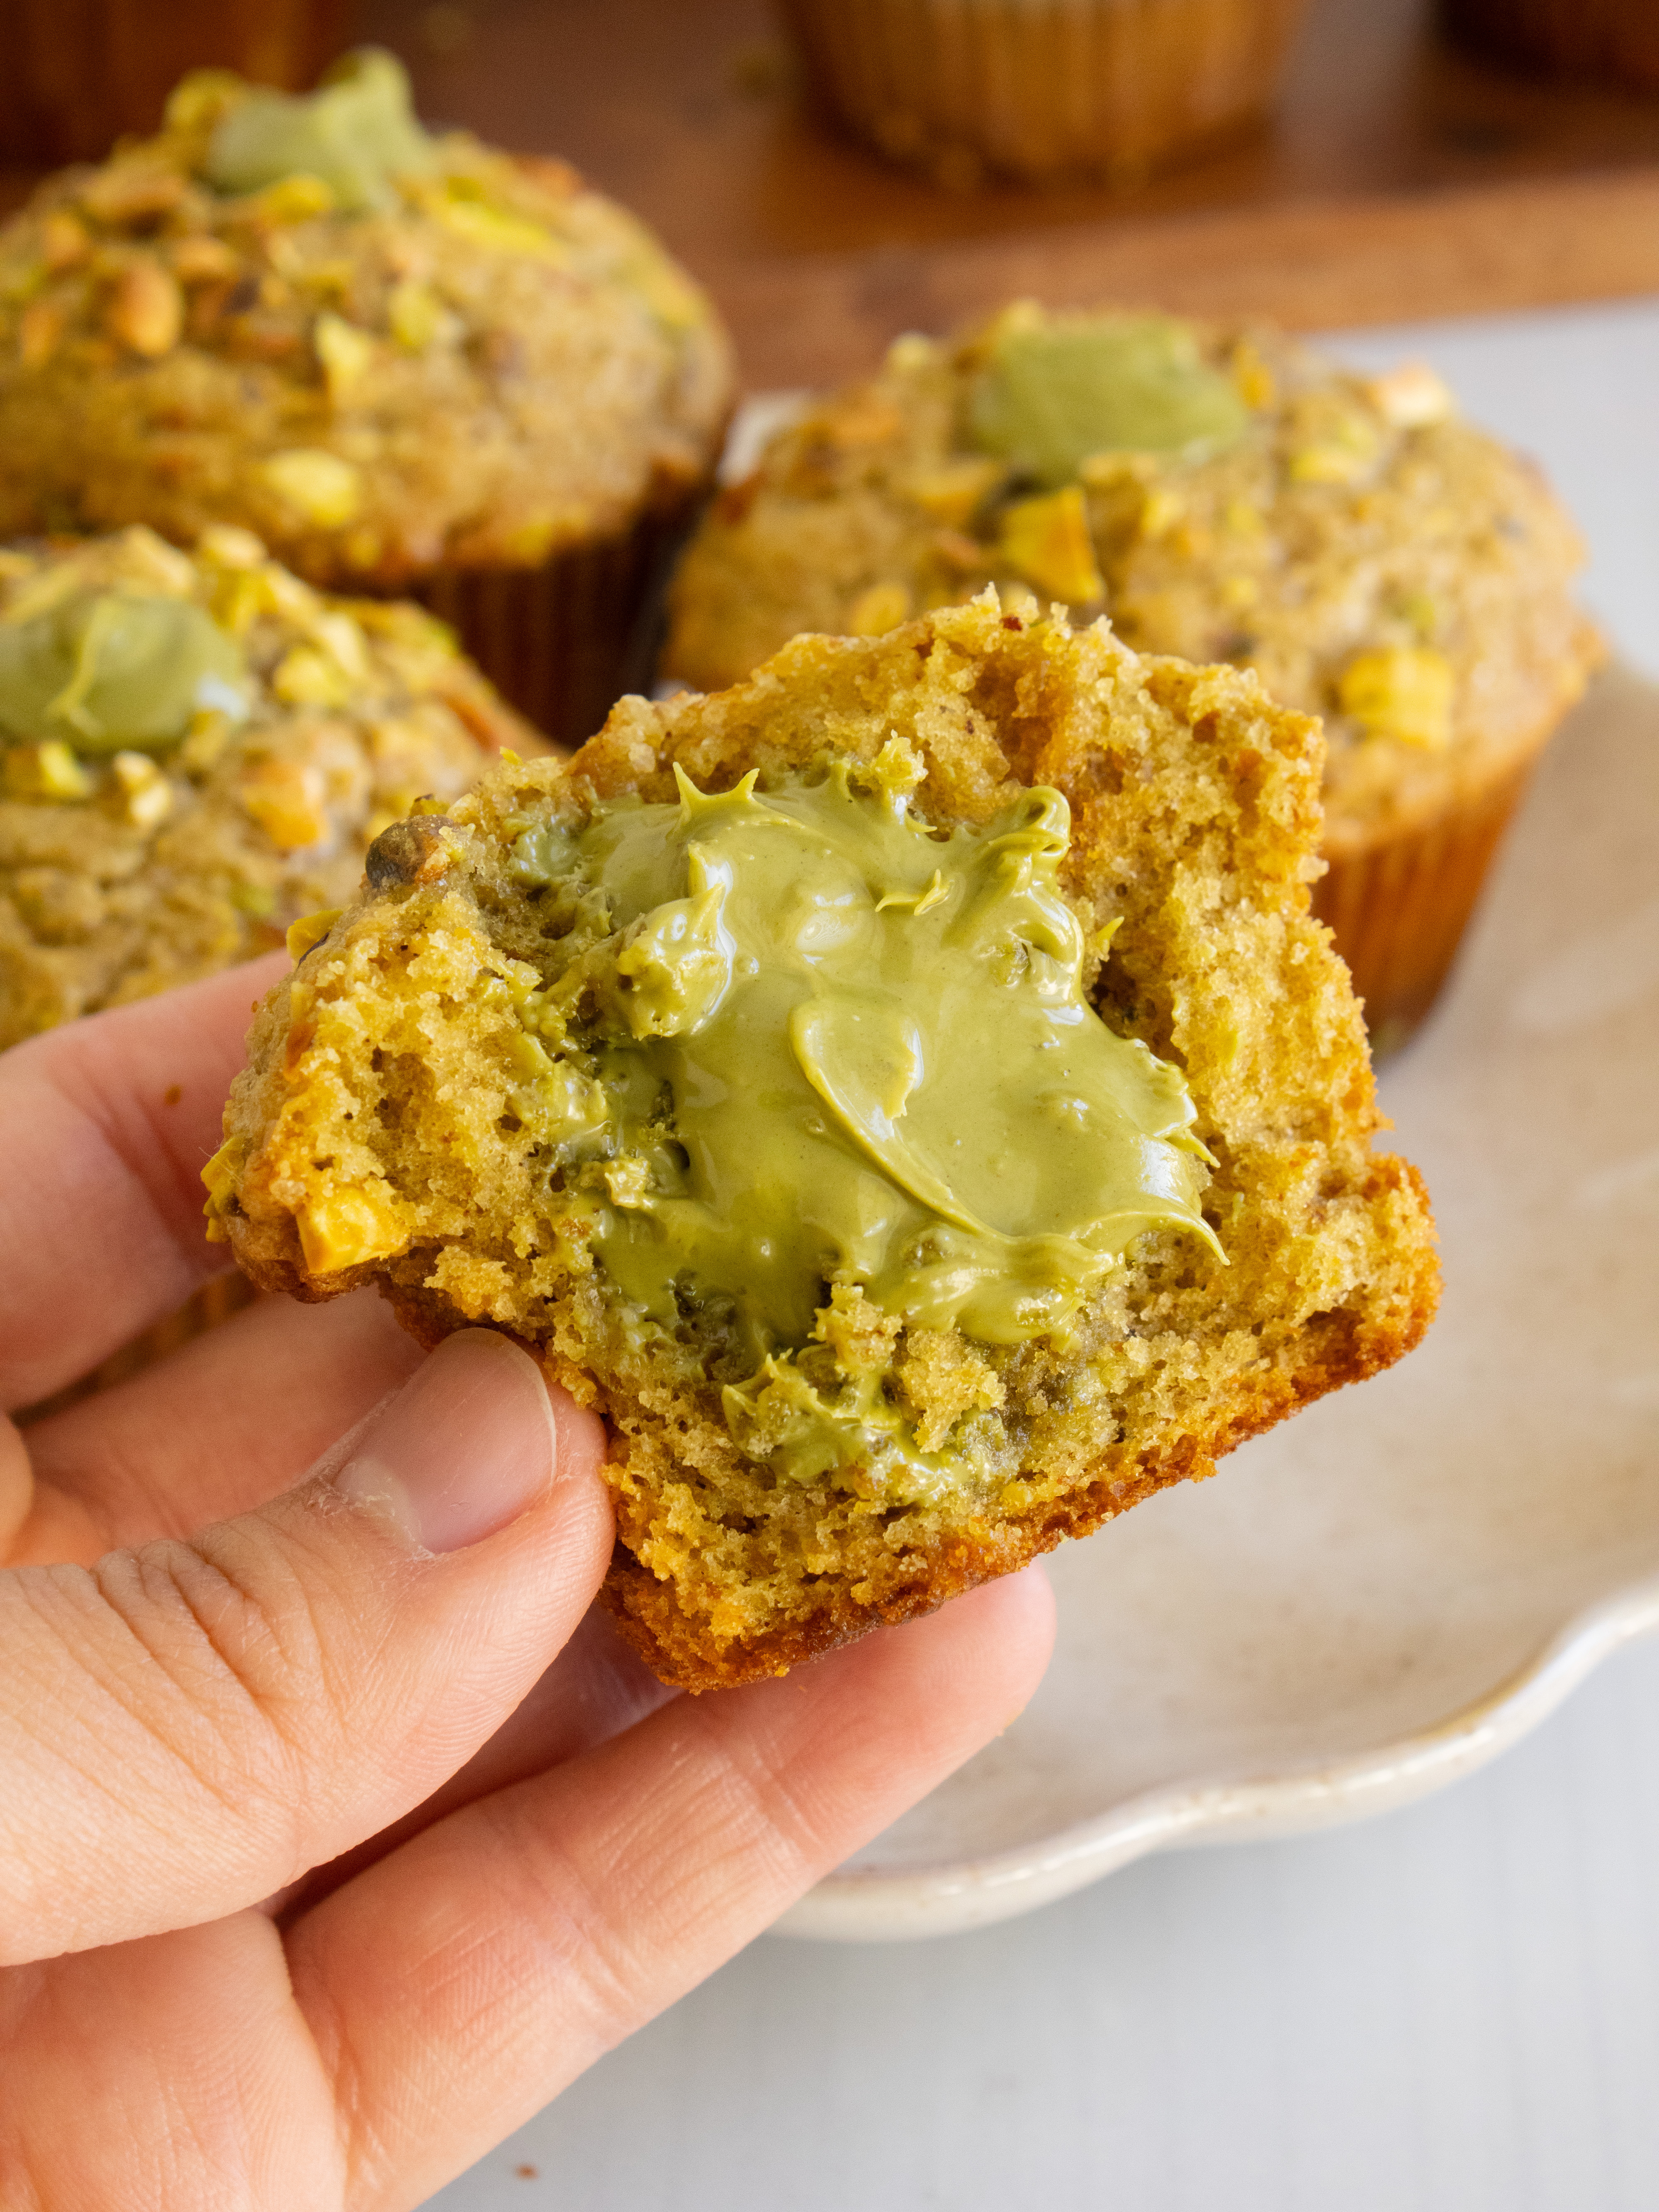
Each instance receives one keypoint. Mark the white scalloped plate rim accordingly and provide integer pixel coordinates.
(873, 1907)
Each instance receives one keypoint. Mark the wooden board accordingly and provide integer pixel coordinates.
(1397, 178)
(1313, 265)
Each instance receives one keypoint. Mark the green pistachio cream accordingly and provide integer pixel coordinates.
(103, 670)
(357, 132)
(1052, 394)
(817, 1044)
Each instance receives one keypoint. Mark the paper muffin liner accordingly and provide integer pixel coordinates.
(1573, 38)
(1398, 908)
(1038, 90)
(214, 1303)
(561, 642)
(78, 74)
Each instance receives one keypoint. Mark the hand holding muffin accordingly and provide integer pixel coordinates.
(359, 1713)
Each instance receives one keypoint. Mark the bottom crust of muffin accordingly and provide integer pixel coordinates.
(1338, 1347)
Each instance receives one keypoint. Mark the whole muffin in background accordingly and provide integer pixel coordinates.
(410, 363)
(197, 751)
(905, 1093)
(1041, 91)
(1222, 495)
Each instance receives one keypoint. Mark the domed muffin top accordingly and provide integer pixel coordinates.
(382, 349)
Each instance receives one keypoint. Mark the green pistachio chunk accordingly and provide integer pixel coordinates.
(807, 1046)
(357, 132)
(104, 671)
(1053, 393)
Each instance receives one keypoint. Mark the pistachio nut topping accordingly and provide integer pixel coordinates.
(1051, 393)
(811, 1049)
(357, 132)
(106, 670)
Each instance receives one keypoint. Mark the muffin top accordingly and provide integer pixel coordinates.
(195, 751)
(1220, 493)
(381, 350)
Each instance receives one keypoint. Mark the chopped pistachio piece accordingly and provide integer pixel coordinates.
(146, 310)
(320, 486)
(498, 229)
(416, 316)
(1046, 539)
(1405, 692)
(146, 796)
(349, 1228)
(45, 771)
(345, 354)
(880, 608)
(1411, 396)
(286, 798)
(950, 492)
(310, 931)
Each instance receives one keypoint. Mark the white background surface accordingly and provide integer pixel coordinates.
(1453, 2009)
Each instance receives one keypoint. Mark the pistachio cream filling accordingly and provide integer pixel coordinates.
(357, 132)
(812, 1053)
(106, 671)
(1052, 393)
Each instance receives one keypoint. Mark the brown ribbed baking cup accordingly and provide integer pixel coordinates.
(561, 642)
(1398, 908)
(1040, 88)
(78, 74)
(1615, 38)
(214, 1303)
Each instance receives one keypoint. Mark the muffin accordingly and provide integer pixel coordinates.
(198, 750)
(1041, 91)
(1616, 38)
(906, 1094)
(80, 76)
(411, 365)
(1224, 495)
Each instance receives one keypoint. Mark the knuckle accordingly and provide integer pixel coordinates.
(235, 1674)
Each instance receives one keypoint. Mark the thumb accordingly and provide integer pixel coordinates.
(186, 1729)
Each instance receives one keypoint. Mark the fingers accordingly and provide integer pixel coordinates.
(224, 1424)
(104, 1125)
(457, 1986)
(186, 1729)
(594, 1689)
(189, 2050)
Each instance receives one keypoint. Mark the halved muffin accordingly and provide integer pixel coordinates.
(907, 1093)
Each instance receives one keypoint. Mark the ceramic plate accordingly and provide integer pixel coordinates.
(1390, 1588)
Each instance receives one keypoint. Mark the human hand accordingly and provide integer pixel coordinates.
(333, 1839)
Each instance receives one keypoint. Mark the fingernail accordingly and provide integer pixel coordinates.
(467, 1446)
